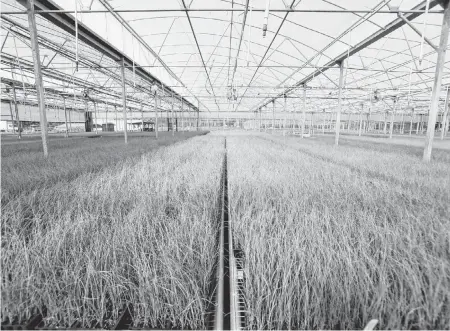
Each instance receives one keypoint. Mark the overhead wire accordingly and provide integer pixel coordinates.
(76, 35)
(424, 27)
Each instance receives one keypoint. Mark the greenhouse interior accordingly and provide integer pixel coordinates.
(225, 164)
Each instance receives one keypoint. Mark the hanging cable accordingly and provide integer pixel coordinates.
(74, 94)
(134, 71)
(106, 26)
(424, 27)
(409, 84)
(348, 54)
(266, 18)
(21, 70)
(123, 39)
(249, 34)
(76, 36)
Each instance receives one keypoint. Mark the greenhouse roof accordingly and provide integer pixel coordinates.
(212, 54)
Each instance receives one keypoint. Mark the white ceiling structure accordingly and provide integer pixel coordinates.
(213, 54)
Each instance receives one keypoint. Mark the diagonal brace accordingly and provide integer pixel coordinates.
(429, 42)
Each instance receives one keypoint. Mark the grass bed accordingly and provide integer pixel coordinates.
(330, 248)
(140, 232)
(395, 163)
(24, 168)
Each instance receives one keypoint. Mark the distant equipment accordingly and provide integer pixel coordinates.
(393, 8)
(86, 94)
(266, 18)
(376, 96)
(232, 93)
(107, 127)
(154, 89)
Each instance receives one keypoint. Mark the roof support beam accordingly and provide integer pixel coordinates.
(64, 78)
(219, 10)
(429, 42)
(231, 38)
(375, 10)
(394, 25)
(60, 18)
(124, 102)
(240, 41)
(4, 41)
(56, 53)
(444, 125)
(16, 110)
(338, 115)
(200, 52)
(143, 43)
(267, 51)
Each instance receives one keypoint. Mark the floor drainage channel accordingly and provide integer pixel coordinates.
(230, 302)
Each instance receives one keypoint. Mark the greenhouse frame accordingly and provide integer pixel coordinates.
(228, 92)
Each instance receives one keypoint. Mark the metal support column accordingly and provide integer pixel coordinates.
(360, 120)
(65, 118)
(117, 127)
(96, 121)
(87, 117)
(445, 115)
(323, 123)
(142, 118)
(182, 114)
(167, 120)
(418, 123)
(338, 115)
(70, 121)
(12, 117)
(411, 123)
(349, 122)
(402, 125)
(124, 102)
(106, 119)
(156, 114)
(434, 107)
(391, 126)
(173, 122)
(198, 113)
(422, 128)
(131, 119)
(265, 121)
(285, 114)
(38, 74)
(16, 110)
(273, 116)
(304, 111)
(260, 120)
